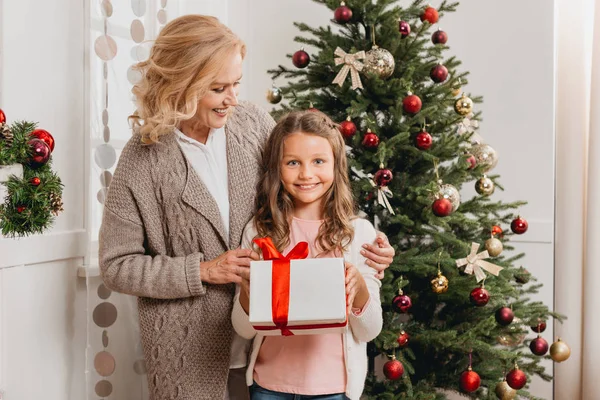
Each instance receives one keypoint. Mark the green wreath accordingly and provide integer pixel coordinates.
(32, 201)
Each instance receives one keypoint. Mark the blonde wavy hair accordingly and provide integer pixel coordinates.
(274, 206)
(184, 61)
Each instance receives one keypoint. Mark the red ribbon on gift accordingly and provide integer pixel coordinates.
(280, 294)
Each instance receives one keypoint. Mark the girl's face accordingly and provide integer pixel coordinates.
(221, 97)
(307, 169)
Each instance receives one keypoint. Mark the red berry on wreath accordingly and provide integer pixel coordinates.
(404, 28)
(438, 73)
(401, 303)
(516, 378)
(403, 339)
(20, 209)
(301, 59)
(423, 140)
(393, 369)
(411, 104)
(519, 225)
(430, 15)
(35, 181)
(45, 136)
(439, 37)
(442, 207)
(370, 140)
(538, 346)
(2, 117)
(479, 296)
(347, 128)
(470, 381)
(383, 177)
(342, 14)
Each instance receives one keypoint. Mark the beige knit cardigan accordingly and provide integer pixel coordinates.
(159, 223)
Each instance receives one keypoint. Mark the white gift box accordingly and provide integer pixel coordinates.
(5, 172)
(317, 297)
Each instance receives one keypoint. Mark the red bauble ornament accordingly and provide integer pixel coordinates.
(504, 316)
(45, 136)
(471, 161)
(539, 346)
(342, 14)
(442, 207)
(20, 209)
(438, 73)
(2, 117)
(540, 327)
(497, 231)
(401, 303)
(516, 378)
(479, 296)
(430, 15)
(470, 381)
(383, 177)
(370, 140)
(439, 37)
(519, 225)
(423, 140)
(412, 104)
(347, 128)
(403, 339)
(35, 181)
(404, 28)
(40, 152)
(393, 369)
(301, 59)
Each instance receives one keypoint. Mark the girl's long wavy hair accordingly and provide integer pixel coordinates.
(274, 205)
(184, 61)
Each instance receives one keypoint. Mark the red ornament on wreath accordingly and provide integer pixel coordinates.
(342, 14)
(383, 177)
(404, 28)
(423, 140)
(403, 339)
(20, 209)
(371, 140)
(504, 316)
(538, 346)
(519, 225)
(516, 378)
(39, 152)
(348, 128)
(479, 296)
(412, 104)
(430, 15)
(45, 136)
(301, 59)
(438, 73)
(470, 380)
(35, 181)
(2, 117)
(442, 207)
(439, 37)
(401, 303)
(393, 369)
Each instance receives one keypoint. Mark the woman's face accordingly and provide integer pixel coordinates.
(221, 97)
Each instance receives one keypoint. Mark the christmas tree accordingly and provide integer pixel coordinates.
(410, 124)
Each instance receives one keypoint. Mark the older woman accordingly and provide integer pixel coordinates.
(181, 194)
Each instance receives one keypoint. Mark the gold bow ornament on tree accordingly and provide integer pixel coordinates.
(476, 263)
(351, 64)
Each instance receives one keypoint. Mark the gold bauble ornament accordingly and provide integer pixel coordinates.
(484, 186)
(380, 62)
(463, 105)
(274, 95)
(456, 91)
(560, 351)
(485, 155)
(439, 284)
(494, 247)
(504, 391)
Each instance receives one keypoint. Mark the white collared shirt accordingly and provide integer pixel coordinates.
(210, 163)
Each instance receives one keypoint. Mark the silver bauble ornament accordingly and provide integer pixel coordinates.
(274, 95)
(484, 186)
(451, 193)
(485, 155)
(380, 62)
(494, 247)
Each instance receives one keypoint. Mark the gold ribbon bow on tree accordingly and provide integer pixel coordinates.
(475, 263)
(351, 64)
(383, 192)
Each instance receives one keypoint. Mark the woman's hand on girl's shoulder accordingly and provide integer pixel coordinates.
(379, 254)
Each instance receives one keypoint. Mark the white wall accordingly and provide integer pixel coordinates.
(42, 304)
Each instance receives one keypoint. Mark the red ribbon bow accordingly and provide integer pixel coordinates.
(280, 295)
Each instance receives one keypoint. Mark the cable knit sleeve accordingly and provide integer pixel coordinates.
(367, 325)
(124, 265)
(239, 318)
